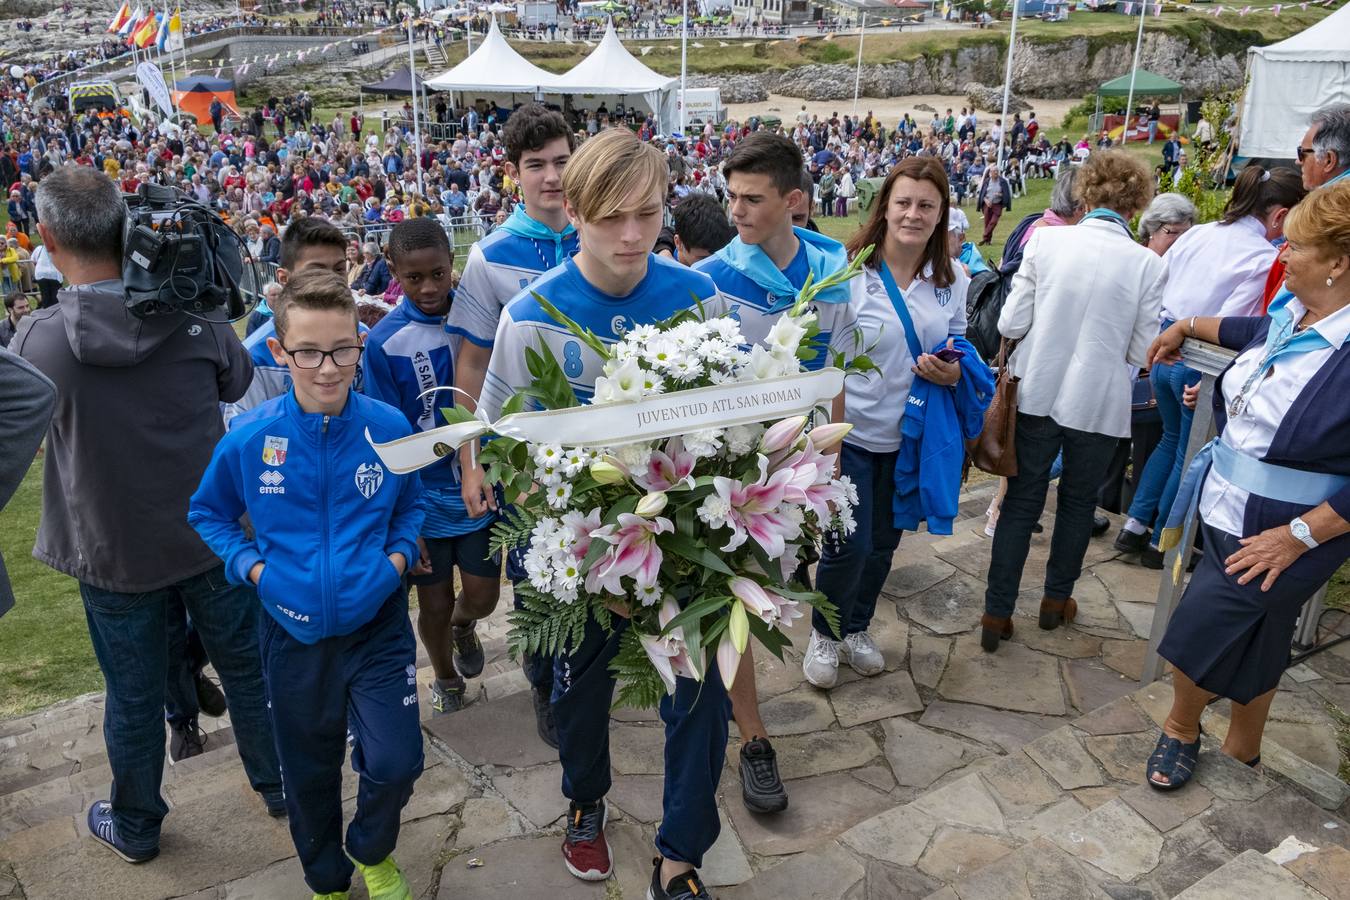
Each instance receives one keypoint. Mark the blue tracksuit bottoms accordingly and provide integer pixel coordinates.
(365, 681)
(696, 718)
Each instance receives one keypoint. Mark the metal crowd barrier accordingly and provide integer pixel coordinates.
(1209, 360)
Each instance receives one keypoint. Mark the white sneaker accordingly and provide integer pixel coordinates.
(862, 654)
(821, 665)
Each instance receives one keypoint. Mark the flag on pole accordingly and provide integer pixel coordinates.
(145, 34)
(162, 33)
(129, 24)
(120, 19)
(175, 37)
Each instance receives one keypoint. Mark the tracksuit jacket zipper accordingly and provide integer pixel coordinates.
(326, 592)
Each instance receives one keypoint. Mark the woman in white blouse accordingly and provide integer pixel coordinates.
(1084, 308)
(1215, 269)
(908, 230)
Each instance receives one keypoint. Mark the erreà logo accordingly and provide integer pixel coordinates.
(271, 482)
(369, 477)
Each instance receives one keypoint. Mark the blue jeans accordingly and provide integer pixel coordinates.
(852, 577)
(1086, 455)
(1162, 473)
(130, 637)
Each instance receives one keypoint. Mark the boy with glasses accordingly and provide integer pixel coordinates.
(334, 534)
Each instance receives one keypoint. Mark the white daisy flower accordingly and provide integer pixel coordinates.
(547, 454)
(558, 495)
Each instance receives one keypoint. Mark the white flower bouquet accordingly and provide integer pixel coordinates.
(696, 539)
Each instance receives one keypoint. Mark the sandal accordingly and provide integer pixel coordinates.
(1175, 760)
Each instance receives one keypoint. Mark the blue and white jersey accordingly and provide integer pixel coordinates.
(757, 308)
(666, 289)
(407, 353)
(271, 378)
(499, 267)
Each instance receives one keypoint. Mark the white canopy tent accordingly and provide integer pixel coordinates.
(1289, 81)
(494, 68)
(611, 71)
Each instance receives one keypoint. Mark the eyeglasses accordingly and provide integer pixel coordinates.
(1300, 152)
(1173, 232)
(312, 359)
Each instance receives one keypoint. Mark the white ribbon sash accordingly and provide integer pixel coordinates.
(627, 422)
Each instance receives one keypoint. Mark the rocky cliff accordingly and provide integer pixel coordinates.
(1203, 60)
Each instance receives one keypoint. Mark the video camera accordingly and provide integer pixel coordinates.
(179, 255)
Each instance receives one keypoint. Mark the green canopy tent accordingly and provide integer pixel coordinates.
(1146, 84)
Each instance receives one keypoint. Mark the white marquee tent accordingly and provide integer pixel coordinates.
(1289, 81)
(611, 71)
(495, 68)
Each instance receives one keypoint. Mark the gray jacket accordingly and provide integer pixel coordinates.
(137, 416)
(26, 401)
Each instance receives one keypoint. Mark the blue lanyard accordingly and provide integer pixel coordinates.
(1110, 215)
(901, 310)
(1281, 340)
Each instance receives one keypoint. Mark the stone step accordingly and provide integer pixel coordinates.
(1251, 874)
(1068, 815)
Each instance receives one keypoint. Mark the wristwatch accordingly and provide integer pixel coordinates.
(1302, 532)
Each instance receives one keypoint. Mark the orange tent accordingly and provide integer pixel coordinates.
(194, 95)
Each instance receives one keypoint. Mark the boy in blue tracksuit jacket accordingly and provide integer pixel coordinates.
(333, 535)
(409, 353)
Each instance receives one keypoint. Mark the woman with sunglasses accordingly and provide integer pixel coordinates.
(1215, 269)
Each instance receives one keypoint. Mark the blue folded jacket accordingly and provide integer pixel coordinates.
(935, 426)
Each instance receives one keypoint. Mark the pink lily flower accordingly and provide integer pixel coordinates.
(668, 653)
(667, 469)
(728, 659)
(772, 609)
(582, 526)
(753, 509)
(635, 553)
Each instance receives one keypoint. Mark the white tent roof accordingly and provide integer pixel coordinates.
(610, 69)
(1289, 81)
(494, 68)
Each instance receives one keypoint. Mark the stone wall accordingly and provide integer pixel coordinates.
(1064, 68)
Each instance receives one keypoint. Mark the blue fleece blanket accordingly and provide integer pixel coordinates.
(935, 426)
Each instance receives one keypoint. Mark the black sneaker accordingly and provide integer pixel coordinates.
(447, 699)
(682, 887)
(543, 718)
(1129, 542)
(761, 787)
(1152, 558)
(101, 829)
(468, 651)
(188, 740)
(210, 697)
(275, 803)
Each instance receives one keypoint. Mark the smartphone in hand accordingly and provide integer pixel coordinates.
(950, 354)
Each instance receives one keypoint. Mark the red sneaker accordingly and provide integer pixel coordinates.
(585, 850)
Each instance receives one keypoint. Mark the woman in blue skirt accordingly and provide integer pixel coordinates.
(1272, 492)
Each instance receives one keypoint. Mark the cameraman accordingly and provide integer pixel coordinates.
(137, 417)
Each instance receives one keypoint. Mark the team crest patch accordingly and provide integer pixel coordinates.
(369, 477)
(274, 450)
(944, 296)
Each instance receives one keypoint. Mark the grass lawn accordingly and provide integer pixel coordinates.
(45, 654)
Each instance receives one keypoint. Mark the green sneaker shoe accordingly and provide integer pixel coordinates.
(334, 895)
(384, 881)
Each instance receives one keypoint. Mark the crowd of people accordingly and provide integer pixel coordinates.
(611, 222)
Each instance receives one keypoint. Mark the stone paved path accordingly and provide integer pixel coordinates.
(955, 774)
